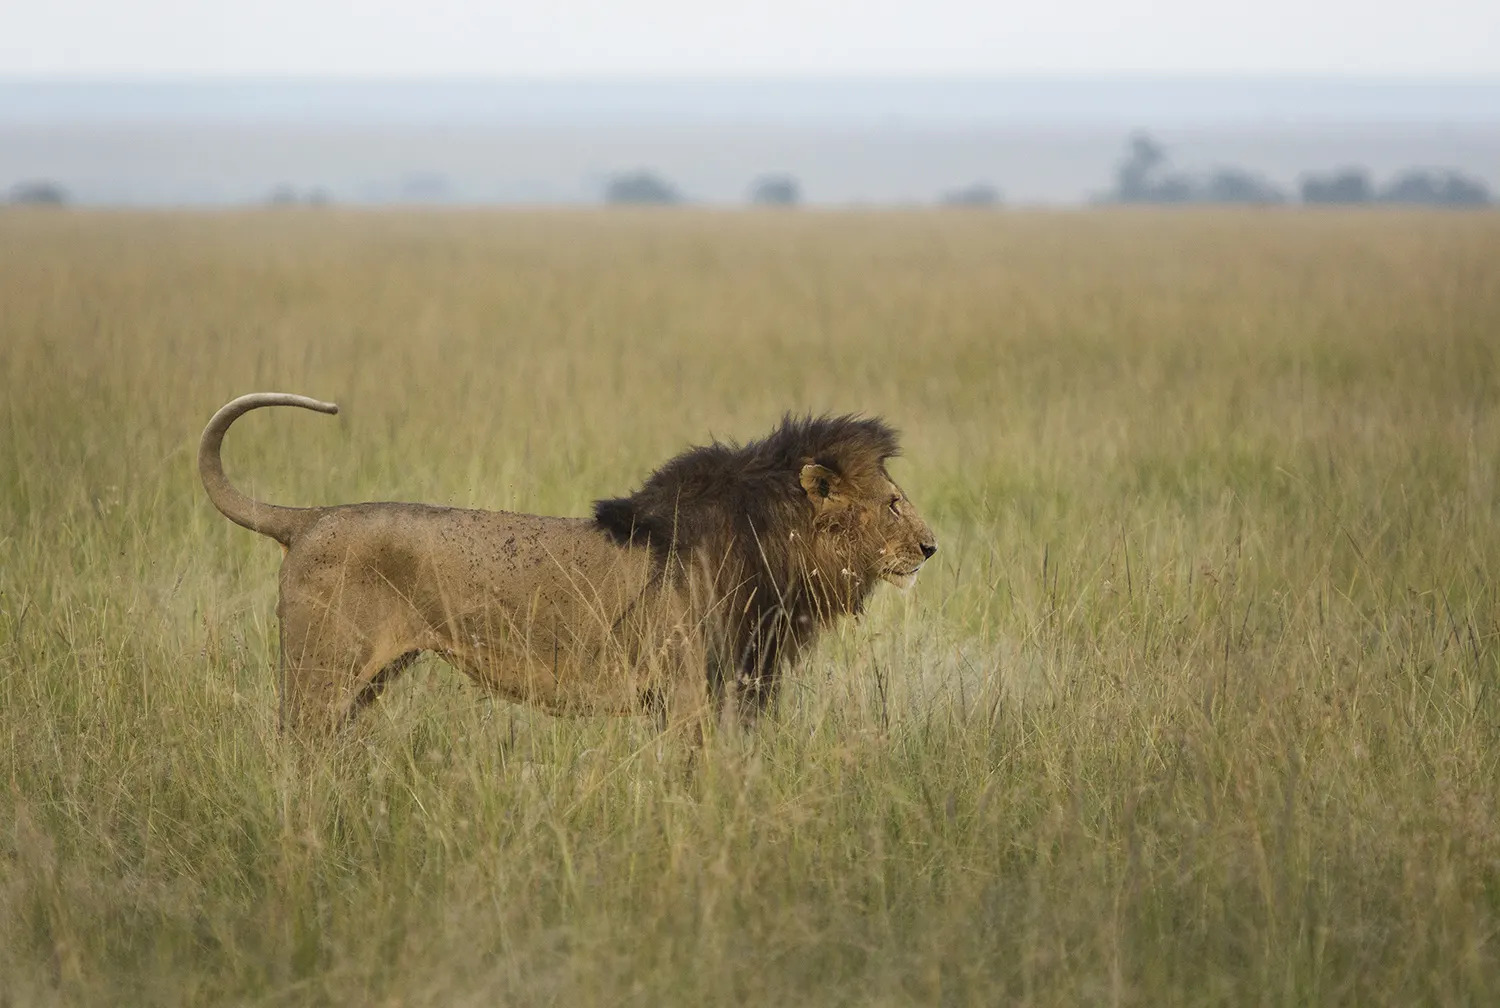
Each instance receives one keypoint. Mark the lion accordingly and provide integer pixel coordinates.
(685, 599)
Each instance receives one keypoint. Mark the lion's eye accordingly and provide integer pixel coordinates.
(895, 501)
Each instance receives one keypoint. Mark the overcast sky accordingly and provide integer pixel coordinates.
(761, 38)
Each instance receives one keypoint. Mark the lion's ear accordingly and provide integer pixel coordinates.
(821, 483)
(618, 518)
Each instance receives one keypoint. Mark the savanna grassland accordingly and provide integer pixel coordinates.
(1199, 703)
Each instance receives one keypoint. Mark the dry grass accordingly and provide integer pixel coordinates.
(1197, 705)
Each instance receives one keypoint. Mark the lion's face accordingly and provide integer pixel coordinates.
(906, 540)
(883, 536)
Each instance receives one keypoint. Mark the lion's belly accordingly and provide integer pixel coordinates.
(564, 683)
(579, 667)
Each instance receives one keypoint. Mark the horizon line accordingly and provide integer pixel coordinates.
(757, 77)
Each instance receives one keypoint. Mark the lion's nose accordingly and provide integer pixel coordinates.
(927, 550)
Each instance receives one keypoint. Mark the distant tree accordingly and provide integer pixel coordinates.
(1234, 185)
(641, 187)
(38, 192)
(1172, 188)
(1141, 177)
(283, 195)
(1135, 176)
(777, 189)
(979, 194)
(1437, 187)
(1346, 185)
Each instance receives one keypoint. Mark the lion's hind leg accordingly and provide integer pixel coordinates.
(373, 678)
(330, 670)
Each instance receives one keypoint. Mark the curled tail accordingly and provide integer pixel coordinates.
(280, 523)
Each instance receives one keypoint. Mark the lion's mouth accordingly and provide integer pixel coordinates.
(902, 579)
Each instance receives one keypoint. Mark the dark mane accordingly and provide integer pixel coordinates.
(735, 524)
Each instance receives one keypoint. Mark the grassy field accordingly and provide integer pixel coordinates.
(1197, 704)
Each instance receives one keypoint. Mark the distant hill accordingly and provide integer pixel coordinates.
(1158, 102)
(865, 142)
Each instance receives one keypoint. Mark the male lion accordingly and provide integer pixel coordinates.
(693, 592)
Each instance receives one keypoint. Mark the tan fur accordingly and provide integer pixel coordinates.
(572, 615)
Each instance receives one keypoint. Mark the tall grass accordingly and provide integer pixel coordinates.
(1196, 705)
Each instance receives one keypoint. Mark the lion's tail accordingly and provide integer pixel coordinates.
(280, 523)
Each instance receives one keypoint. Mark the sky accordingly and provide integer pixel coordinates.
(767, 38)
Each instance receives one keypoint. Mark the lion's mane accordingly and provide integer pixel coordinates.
(733, 524)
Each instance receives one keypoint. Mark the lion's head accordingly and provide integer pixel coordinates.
(779, 537)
